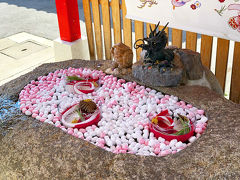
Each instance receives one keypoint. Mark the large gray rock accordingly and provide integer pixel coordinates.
(156, 78)
(187, 62)
(192, 63)
(30, 149)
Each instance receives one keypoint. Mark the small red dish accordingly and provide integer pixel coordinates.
(170, 137)
(70, 113)
(84, 87)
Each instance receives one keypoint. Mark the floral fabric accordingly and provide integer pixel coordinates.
(220, 18)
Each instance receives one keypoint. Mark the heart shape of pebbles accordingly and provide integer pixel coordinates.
(126, 110)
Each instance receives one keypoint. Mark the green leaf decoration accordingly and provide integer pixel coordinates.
(185, 123)
(80, 115)
(74, 78)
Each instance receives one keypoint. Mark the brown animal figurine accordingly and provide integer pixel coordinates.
(122, 55)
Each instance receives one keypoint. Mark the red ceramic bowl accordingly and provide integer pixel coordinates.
(83, 87)
(94, 119)
(170, 137)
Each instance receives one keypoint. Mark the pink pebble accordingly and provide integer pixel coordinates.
(125, 147)
(142, 141)
(34, 101)
(166, 142)
(102, 135)
(134, 107)
(70, 132)
(24, 110)
(54, 111)
(148, 89)
(181, 147)
(42, 119)
(115, 151)
(109, 105)
(182, 103)
(168, 151)
(157, 151)
(94, 127)
(189, 105)
(198, 130)
(201, 112)
(34, 115)
(199, 125)
(142, 91)
(191, 114)
(59, 125)
(75, 135)
(118, 148)
(174, 152)
(51, 93)
(163, 102)
(55, 119)
(156, 146)
(163, 153)
(101, 145)
(178, 103)
(21, 108)
(131, 152)
(115, 102)
(167, 96)
(120, 94)
(102, 141)
(122, 151)
(146, 142)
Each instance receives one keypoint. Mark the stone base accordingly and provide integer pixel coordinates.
(154, 77)
(30, 149)
(71, 50)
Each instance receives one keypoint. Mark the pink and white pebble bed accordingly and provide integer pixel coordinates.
(126, 110)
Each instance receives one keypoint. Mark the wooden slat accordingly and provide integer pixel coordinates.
(148, 28)
(139, 33)
(206, 50)
(88, 23)
(221, 61)
(235, 83)
(97, 28)
(115, 5)
(106, 27)
(166, 30)
(177, 38)
(127, 27)
(191, 40)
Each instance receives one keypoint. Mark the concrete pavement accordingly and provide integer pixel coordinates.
(37, 17)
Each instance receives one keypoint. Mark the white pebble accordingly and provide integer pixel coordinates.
(172, 142)
(179, 144)
(28, 113)
(192, 139)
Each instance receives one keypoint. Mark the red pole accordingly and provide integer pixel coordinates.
(68, 20)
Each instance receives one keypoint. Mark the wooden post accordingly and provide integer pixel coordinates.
(68, 20)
